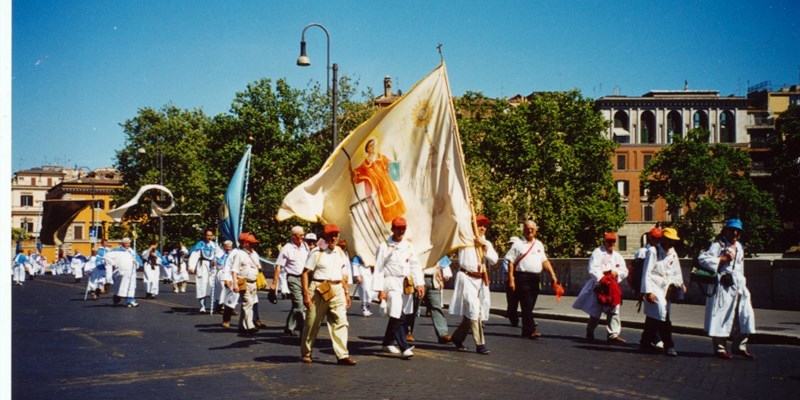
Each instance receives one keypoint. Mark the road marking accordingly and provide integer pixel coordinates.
(178, 374)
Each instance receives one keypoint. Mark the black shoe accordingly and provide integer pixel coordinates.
(459, 345)
(482, 350)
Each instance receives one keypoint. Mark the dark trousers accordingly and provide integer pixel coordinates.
(654, 330)
(295, 319)
(227, 313)
(512, 303)
(396, 332)
(527, 284)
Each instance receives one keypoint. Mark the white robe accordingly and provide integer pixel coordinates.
(600, 262)
(151, 273)
(393, 262)
(657, 276)
(721, 307)
(471, 298)
(125, 264)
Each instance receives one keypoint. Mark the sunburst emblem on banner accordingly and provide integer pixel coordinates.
(422, 114)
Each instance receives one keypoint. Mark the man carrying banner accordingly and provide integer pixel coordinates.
(471, 290)
(291, 261)
(324, 285)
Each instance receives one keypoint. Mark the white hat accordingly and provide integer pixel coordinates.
(311, 236)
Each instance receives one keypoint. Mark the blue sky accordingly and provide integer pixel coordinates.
(80, 68)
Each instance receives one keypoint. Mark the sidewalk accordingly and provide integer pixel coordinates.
(772, 326)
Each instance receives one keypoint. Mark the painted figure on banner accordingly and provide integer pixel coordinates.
(379, 174)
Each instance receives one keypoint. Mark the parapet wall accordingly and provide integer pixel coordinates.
(773, 284)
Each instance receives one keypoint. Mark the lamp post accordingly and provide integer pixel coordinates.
(92, 227)
(142, 150)
(304, 61)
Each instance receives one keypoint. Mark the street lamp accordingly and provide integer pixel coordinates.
(142, 150)
(304, 61)
(92, 227)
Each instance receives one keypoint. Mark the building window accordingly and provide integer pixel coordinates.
(622, 243)
(700, 120)
(27, 226)
(99, 204)
(674, 126)
(77, 232)
(623, 188)
(33, 181)
(648, 133)
(26, 200)
(727, 128)
(49, 182)
(646, 160)
(622, 162)
(647, 212)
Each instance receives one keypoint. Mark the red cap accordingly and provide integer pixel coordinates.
(331, 228)
(247, 237)
(655, 233)
(481, 220)
(610, 236)
(399, 222)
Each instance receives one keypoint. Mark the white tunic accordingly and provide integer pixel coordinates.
(124, 263)
(471, 297)
(600, 262)
(203, 271)
(721, 307)
(394, 262)
(657, 276)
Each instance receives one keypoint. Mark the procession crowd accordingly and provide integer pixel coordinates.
(316, 273)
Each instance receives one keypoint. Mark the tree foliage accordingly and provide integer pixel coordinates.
(703, 184)
(786, 171)
(546, 159)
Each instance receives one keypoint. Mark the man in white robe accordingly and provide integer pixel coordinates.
(471, 289)
(729, 312)
(151, 270)
(125, 262)
(208, 252)
(395, 264)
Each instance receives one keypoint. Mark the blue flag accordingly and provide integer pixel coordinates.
(231, 213)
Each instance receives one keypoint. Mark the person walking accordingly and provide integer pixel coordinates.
(151, 270)
(325, 294)
(471, 289)
(526, 261)
(245, 263)
(662, 283)
(291, 262)
(729, 312)
(606, 270)
(397, 278)
(125, 262)
(208, 251)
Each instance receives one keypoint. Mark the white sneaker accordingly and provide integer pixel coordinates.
(408, 353)
(391, 349)
(202, 310)
(366, 312)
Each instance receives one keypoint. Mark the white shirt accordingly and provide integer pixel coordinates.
(532, 262)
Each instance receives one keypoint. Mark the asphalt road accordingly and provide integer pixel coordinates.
(66, 348)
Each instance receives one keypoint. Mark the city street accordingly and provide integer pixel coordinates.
(68, 348)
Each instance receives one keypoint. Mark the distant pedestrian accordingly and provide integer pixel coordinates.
(207, 251)
(649, 340)
(151, 270)
(245, 262)
(729, 312)
(512, 301)
(19, 264)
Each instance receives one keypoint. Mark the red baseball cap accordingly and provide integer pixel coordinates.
(610, 236)
(399, 222)
(655, 233)
(481, 220)
(331, 228)
(247, 237)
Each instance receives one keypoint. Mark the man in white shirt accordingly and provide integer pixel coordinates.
(526, 260)
(291, 261)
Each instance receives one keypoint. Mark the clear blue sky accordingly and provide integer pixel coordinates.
(80, 68)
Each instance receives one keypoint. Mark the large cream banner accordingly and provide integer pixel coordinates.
(404, 161)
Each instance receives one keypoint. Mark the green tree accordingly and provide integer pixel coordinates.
(786, 171)
(546, 159)
(710, 183)
(168, 146)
